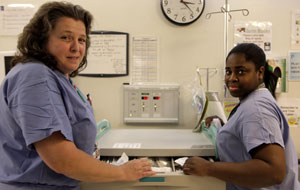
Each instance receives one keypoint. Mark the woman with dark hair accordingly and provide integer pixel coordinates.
(47, 127)
(254, 146)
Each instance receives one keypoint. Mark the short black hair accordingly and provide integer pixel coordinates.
(255, 54)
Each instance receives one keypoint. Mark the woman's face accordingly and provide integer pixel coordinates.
(241, 76)
(67, 43)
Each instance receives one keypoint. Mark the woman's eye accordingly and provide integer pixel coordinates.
(66, 38)
(228, 72)
(240, 72)
(82, 40)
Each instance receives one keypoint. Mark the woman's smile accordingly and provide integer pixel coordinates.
(232, 88)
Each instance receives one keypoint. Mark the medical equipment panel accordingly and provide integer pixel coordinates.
(151, 103)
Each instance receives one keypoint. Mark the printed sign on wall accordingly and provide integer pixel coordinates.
(291, 110)
(259, 33)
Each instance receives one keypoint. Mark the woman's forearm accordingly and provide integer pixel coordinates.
(253, 173)
(63, 157)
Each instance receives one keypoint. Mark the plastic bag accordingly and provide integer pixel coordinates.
(198, 95)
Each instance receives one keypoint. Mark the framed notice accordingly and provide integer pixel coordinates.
(294, 65)
(14, 17)
(256, 32)
(107, 55)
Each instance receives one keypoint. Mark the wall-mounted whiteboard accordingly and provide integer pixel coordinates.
(107, 55)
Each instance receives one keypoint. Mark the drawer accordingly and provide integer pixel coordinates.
(169, 182)
(172, 178)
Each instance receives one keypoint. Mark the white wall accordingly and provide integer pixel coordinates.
(182, 48)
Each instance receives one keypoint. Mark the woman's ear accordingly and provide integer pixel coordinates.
(261, 72)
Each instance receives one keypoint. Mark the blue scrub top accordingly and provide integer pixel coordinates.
(258, 120)
(36, 101)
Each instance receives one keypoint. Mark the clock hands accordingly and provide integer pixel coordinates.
(186, 4)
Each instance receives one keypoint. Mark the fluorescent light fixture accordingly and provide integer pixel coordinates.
(21, 5)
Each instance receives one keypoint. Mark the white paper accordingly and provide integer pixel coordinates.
(122, 160)
(181, 161)
(13, 19)
(294, 66)
(161, 169)
(145, 56)
(107, 54)
(259, 33)
(127, 145)
(291, 110)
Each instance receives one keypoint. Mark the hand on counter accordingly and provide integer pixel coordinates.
(137, 169)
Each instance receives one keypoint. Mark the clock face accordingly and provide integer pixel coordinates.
(182, 12)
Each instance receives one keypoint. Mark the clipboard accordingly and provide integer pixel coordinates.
(107, 55)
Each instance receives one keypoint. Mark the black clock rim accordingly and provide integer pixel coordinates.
(179, 23)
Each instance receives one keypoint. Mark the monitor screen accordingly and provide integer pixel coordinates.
(5, 58)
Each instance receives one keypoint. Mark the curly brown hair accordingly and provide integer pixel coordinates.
(32, 41)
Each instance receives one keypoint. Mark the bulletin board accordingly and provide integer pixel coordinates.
(107, 55)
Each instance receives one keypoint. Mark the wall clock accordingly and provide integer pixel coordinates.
(182, 12)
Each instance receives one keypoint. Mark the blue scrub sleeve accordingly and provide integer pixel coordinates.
(261, 131)
(39, 110)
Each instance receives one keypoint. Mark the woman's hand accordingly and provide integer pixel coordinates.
(196, 166)
(136, 169)
(209, 119)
